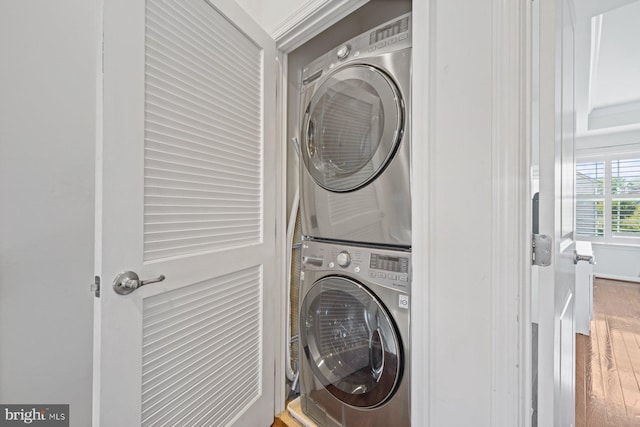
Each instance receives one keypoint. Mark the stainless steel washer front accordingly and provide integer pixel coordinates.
(350, 341)
(354, 333)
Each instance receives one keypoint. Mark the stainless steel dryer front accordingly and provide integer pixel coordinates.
(355, 139)
(354, 335)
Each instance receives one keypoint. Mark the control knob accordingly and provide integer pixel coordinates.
(344, 51)
(343, 259)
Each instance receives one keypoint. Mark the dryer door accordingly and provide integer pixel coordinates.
(350, 342)
(352, 127)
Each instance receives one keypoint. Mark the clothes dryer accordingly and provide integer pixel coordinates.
(355, 139)
(354, 335)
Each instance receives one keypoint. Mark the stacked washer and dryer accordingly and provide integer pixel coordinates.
(356, 226)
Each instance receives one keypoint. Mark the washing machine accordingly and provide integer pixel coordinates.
(354, 335)
(355, 139)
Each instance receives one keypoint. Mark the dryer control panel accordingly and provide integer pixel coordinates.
(389, 37)
(389, 30)
(385, 267)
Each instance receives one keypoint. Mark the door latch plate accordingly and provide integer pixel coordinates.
(541, 254)
(95, 286)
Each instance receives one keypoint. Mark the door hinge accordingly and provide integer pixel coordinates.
(95, 286)
(541, 250)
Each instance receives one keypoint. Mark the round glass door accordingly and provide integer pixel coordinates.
(352, 127)
(350, 342)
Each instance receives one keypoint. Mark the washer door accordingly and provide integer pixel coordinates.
(352, 127)
(350, 342)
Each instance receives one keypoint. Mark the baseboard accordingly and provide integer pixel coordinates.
(615, 277)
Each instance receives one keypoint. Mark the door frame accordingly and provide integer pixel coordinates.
(510, 249)
(512, 219)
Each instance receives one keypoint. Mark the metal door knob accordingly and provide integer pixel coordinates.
(577, 258)
(128, 281)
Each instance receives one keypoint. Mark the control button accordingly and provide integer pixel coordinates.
(380, 45)
(392, 40)
(372, 274)
(357, 269)
(403, 36)
(403, 278)
(356, 53)
(331, 265)
(392, 276)
(382, 275)
(344, 51)
(372, 48)
(344, 259)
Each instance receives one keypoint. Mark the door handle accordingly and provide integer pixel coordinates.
(577, 258)
(128, 281)
(376, 344)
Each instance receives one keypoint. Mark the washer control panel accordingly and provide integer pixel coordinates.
(343, 259)
(385, 267)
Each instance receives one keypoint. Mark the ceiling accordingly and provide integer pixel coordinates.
(617, 78)
(607, 65)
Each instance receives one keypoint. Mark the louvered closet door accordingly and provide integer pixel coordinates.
(186, 189)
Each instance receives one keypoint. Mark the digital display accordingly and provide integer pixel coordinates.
(397, 27)
(389, 263)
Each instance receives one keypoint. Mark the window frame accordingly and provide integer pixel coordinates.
(608, 198)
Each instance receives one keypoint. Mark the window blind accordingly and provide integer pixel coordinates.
(590, 198)
(625, 200)
(608, 199)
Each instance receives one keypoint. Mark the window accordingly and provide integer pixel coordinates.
(608, 200)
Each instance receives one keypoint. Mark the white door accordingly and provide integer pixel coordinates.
(186, 189)
(556, 288)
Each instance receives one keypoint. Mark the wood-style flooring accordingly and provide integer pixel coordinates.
(608, 361)
(285, 419)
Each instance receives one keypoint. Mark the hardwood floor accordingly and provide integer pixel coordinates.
(285, 420)
(608, 361)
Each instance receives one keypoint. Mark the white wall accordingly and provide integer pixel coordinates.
(47, 97)
(617, 262)
(613, 261)
(253, 8)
